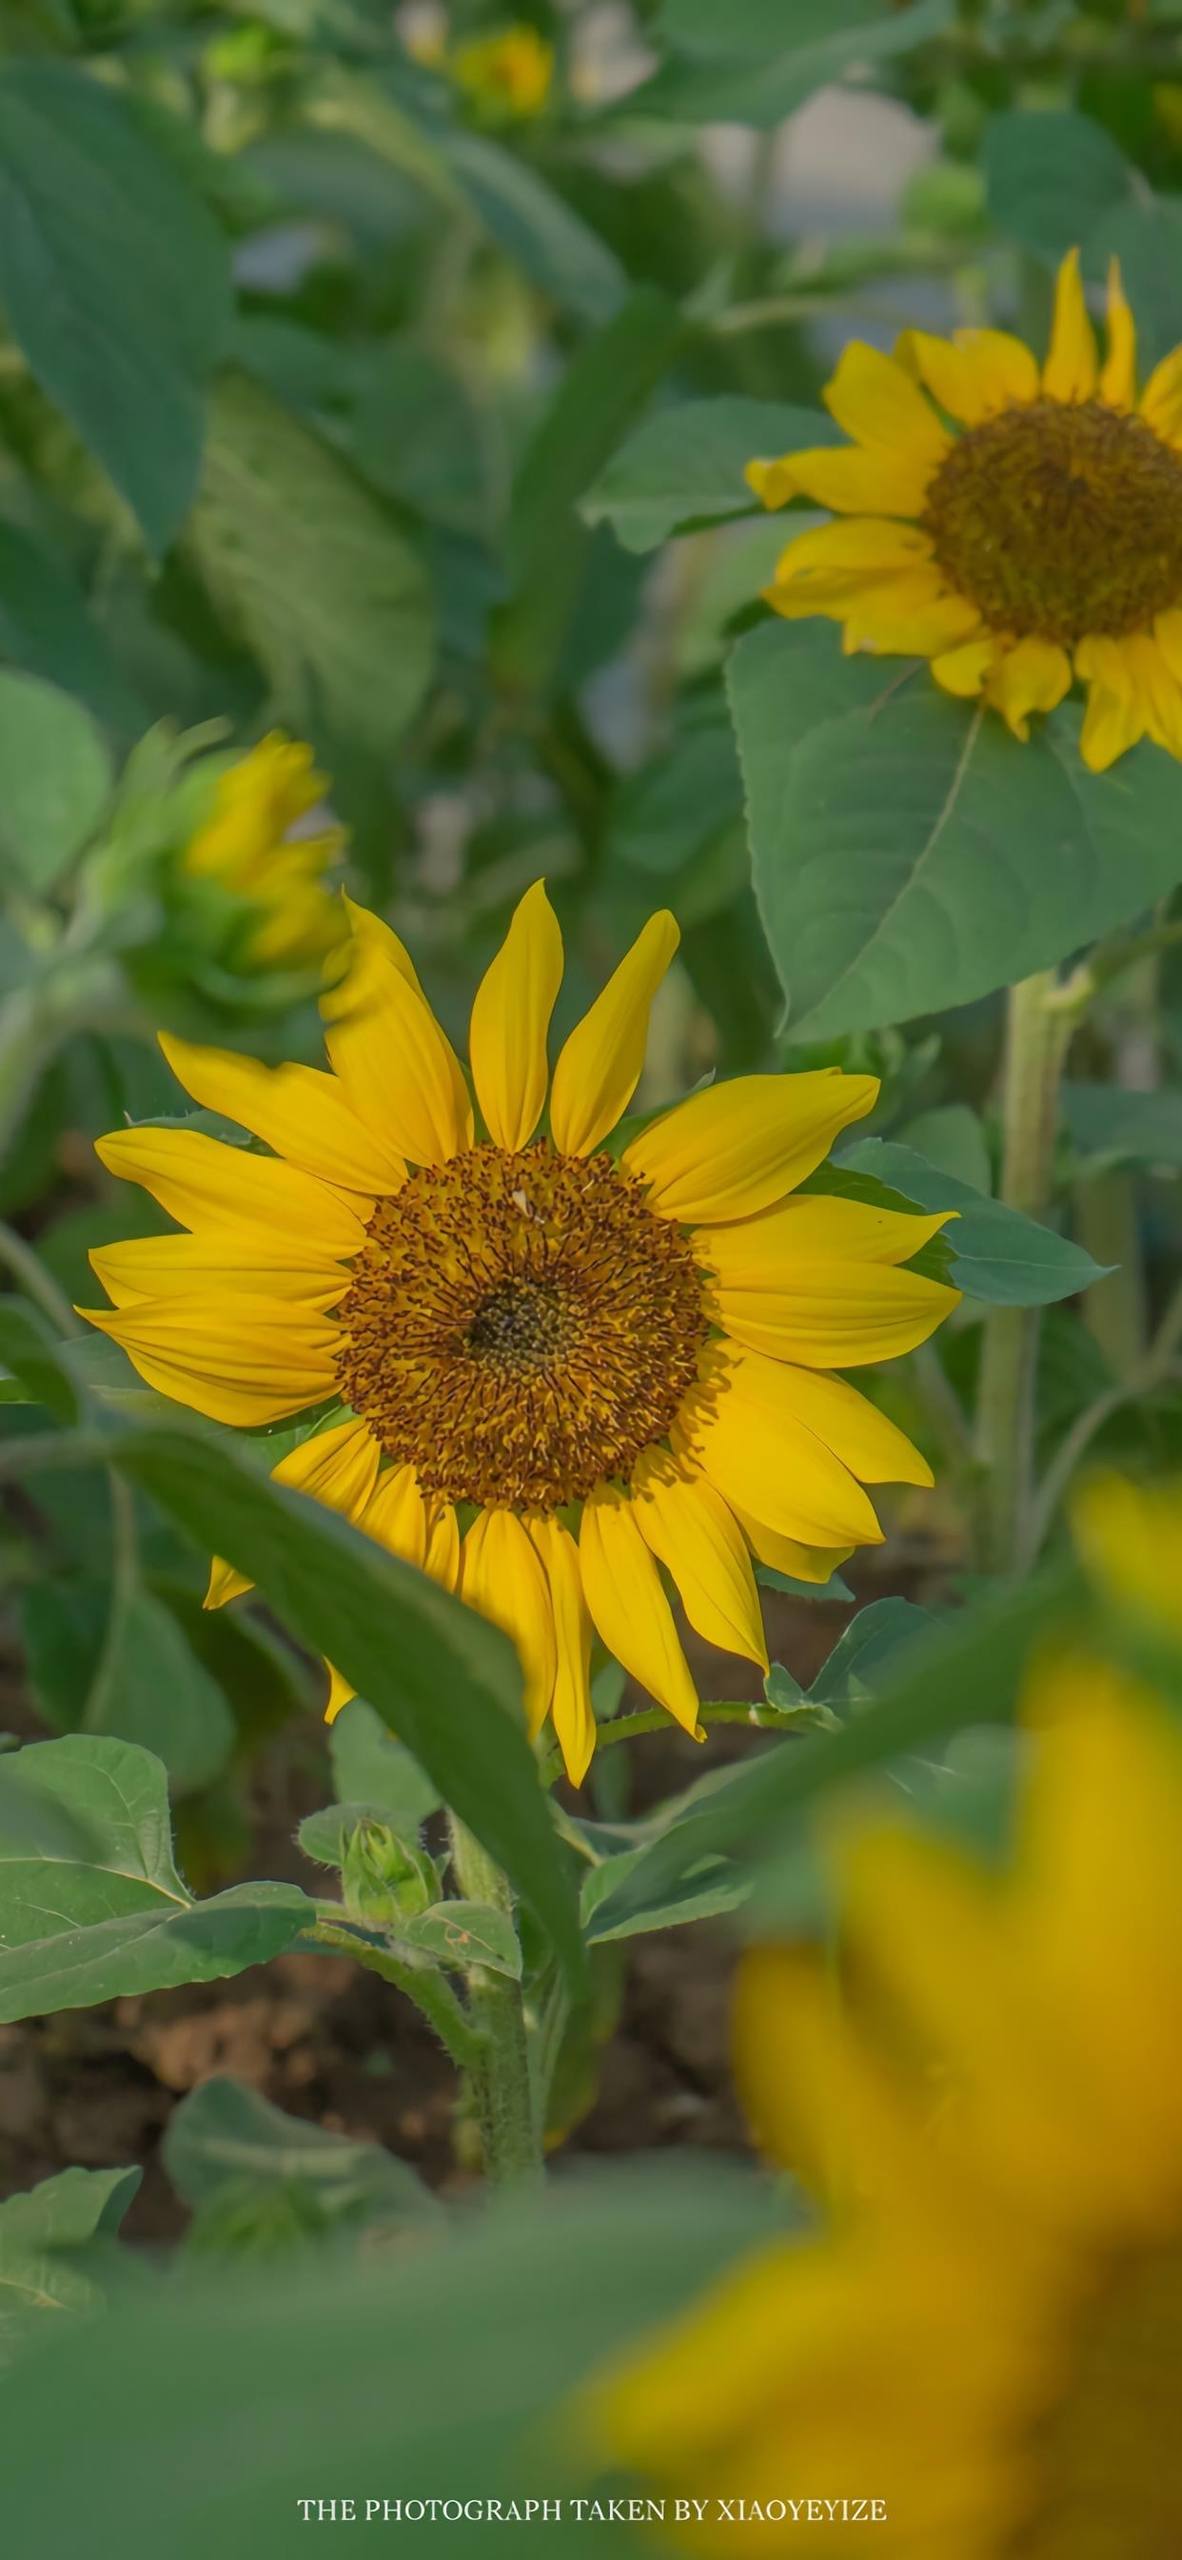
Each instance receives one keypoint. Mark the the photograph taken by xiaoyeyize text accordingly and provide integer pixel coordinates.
(591, 1278)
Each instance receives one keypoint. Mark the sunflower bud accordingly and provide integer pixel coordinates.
(385, 1879)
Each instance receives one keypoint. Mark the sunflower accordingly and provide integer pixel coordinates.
(1017, 527)
(987, 2338)
(249, 848)
(542, 1371)
(507, 74)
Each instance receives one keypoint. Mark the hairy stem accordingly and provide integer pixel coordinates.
(499, 2081)
(1038, 1033)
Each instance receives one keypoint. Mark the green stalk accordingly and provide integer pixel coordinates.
(83, 994)
(1037, 1038)
(499, 2083)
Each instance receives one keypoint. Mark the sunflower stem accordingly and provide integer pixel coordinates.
(1037, 1038)
(499, 2082)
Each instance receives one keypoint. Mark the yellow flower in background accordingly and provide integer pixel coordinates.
(1131, 1539)
(988, 2335)
(249, 845)
(1017, 527)
(509, 73)
(543, 1372)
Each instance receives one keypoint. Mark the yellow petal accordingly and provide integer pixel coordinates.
(834, 1315)
(235, 1358)
(397, 1515)
(1032, 676)
(787, 1555)
(915, 618)
(873, 1449)
(501, 1576)
(399, 1073)
(1130, 1537)
(203, 1183)
(1118, 379)
(1070, 369)
(599, 1067)
(337, 1467)
(697, 1538)
(570, 1706)
(442, 1559)
(510, 1020)
(299, 1111)
(734, 1148)
(1117, 714)
(842, 557)
(975, 374)
(372, 934)
(966, 671)
(851, 481)
(623, 1592)
(171, 1266)
(746, 1430)
(876, 401)
(1161, 400)
(759, 1252)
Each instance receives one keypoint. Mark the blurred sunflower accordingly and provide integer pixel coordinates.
(541, 1371)
(989, 2336)
(1017, 527)
(249, 848)
(509, 73)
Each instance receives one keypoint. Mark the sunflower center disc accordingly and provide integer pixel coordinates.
(1108, 2456)
(1060, 520)
(520, 1326)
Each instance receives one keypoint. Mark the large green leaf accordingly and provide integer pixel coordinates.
(115, 279)
(964, 1672)
(440, 2376)
(115, 1918)
(47, 2263)
(118, 1663)
(226, 2138)
(534, 227)
(370, 1768)
(549, 546)
(1110, 1126)
(1051, 177)
(55, 779)
(312, 571)
(777, 57)
(46, 627)
(443, 1678)
(996, 1254)
(684, 466)
(908, 853)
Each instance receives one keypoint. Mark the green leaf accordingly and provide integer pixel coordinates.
(115, 1918)
(966, 1672)
(312, 572)
(1051, 177)
(997, 1255)
(463, 1933)
(443, 1677)
(1109, 1126)
(224, 2136)
(439, 2375)
(757, 77)
(910, 855)
(30, 1354)
(1146, 236)
(536, 229)
(684, 466)
(608, 380)
(878, 1634)
(550, 549)
(371, 1768)
(115, 278)
(46, 2258)
(116, 1662)
(66, 2211)
(684, 800)
(55, 778)
(46, 628)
